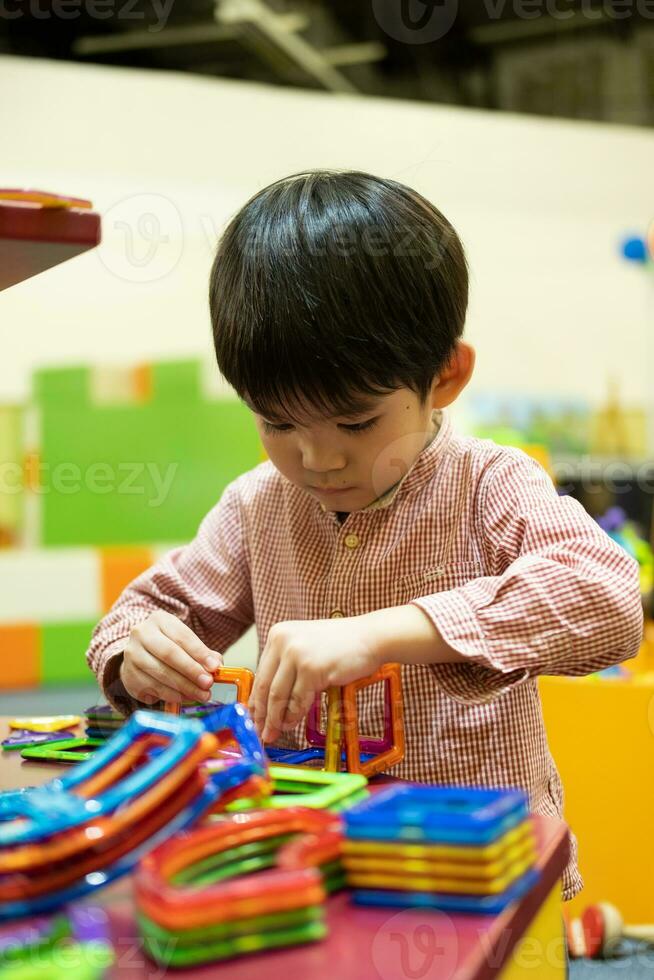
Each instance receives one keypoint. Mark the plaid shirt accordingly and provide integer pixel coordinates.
(519, 580)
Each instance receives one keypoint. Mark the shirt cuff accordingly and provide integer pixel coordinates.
(482, 677)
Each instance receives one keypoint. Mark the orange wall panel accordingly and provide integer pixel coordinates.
(19, 655)
(118, 566)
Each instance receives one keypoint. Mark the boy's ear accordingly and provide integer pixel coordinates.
(453, 378)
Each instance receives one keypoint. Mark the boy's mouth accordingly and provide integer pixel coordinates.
(331, 490)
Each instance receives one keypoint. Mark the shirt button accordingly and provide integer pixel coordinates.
(336, 614)
(352, 541)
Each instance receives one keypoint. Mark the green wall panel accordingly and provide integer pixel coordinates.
(12, 491)
(63, 646)
(137, 473)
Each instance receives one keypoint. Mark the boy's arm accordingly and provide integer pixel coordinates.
(563, 598)
(206, 584)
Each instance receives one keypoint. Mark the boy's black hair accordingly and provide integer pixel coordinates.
(330, 288)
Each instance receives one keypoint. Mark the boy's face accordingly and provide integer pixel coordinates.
(347, 462)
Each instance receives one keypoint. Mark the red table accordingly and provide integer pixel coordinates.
(366, 943)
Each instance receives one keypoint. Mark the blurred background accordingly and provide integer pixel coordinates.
(527, 123)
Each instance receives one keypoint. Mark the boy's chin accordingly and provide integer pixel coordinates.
(343, 501)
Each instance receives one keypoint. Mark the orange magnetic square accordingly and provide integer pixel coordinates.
(118, 566)
(19, 655)
(389, 674)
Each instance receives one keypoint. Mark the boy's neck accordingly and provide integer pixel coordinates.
(435, 424)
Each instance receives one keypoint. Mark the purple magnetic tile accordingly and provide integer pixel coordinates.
(89, 923)
(20, 738)
(373, 746)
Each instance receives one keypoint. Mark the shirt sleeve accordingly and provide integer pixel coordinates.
(561, 597)
(206, 584)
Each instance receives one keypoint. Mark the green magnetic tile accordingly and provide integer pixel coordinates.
(227, 930)
(236, 946)
(226, 860)
(63, 646)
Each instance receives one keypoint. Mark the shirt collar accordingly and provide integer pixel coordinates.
(420, 469)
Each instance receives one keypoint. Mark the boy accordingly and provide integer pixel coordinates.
(374, 533)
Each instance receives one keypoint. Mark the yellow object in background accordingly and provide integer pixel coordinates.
(601, 733)
(53, 723)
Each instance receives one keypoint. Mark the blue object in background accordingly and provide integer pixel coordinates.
(635, 249)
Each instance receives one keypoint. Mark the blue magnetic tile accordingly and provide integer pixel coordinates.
(451, 814)
(448, 902)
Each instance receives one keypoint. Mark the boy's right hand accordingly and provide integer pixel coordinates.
(164, 660)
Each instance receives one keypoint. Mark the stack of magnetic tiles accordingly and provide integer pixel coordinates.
(198, 899)
(442, 847)
(103, 721)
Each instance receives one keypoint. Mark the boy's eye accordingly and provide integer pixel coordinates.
(360, 426)
(273, 427)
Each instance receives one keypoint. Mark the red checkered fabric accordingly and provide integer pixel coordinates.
(519, 580)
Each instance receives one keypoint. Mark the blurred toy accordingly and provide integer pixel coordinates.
(626, 533)
(599, 933)
(80, 939)
(539, 425)
(638, 248)
(197, 902)
(618, 429)
(54, 723)
(476, 852)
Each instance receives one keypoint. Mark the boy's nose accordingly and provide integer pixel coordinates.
(322, 459)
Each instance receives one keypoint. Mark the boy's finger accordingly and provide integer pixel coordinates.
(151, 664)
(172, 655)
(151, 691)
(258, 702)
(299, 705)
(278, 699)
(184, 636)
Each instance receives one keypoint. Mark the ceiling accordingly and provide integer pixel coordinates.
(466, 52)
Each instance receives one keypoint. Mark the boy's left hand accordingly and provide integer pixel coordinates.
(302, 658)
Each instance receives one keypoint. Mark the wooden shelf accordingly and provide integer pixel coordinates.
(35, 238)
